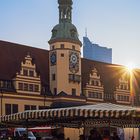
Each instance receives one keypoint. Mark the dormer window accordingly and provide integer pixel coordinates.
(31, 73)
(94, 88)
(73, 33)
(25, 72)
(27, 78)
(122, 93)
(54, 33)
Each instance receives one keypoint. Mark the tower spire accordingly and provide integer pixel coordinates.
(85, 32)
(65, 10)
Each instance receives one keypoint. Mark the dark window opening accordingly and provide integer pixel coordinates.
(26, 87)
(11, 108)
(62, 46)
(26, 107)
(25, 72)
(53, 77)
(73, 92)
(31, 73)
(73, 47)
(62, 54)
(31, 87)
(20, 86)
(14, 108)
(33, 107)
(55, 91)
(8, 109)
(36, 88)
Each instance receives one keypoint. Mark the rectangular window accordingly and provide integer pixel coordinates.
(25, 72)
(20, 86)
(25, 87)
(9, 85)
(36, 88)
(14, 108)
(73, 91)
(73, 47)
(89, 94)
(1, 83)
(127, 98)
(8, 109)
(55, 91)
(33, 107)
(62, 46)
(62, 54)
(53, 77)
(31, 73)
(26, 107)
(31, 87)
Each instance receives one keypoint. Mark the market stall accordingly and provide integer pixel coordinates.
(103, 114)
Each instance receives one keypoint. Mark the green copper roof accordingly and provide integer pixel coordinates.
(65, 30)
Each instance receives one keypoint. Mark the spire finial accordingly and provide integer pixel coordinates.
(85, 32)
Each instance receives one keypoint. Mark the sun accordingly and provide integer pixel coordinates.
(130, 66)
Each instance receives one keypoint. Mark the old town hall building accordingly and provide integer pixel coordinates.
(32, 78)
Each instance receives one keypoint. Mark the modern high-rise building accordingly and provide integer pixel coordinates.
(96, 52)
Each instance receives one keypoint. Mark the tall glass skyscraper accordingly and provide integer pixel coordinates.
(96, 52)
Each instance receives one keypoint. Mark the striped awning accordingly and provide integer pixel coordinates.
(101, 112)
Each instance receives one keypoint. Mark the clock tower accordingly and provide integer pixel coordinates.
(65, 54)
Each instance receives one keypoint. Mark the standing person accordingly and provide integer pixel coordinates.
(93, 135)
(115, 136)
(24, 137)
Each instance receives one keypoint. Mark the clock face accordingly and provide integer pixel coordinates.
(53, 58)
(73, 58)
(74, 62)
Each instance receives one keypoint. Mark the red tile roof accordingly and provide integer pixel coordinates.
(109, 73)
(12, 54)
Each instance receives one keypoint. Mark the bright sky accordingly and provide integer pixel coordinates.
(110, 23)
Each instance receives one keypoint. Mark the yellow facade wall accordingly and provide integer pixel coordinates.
(22, 100)
(61, 69)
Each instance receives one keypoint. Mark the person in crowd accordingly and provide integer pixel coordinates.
(24, 137)
(94, 135)
(106, 135)
(115, 136)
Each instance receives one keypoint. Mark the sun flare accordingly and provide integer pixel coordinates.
(130, 67)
